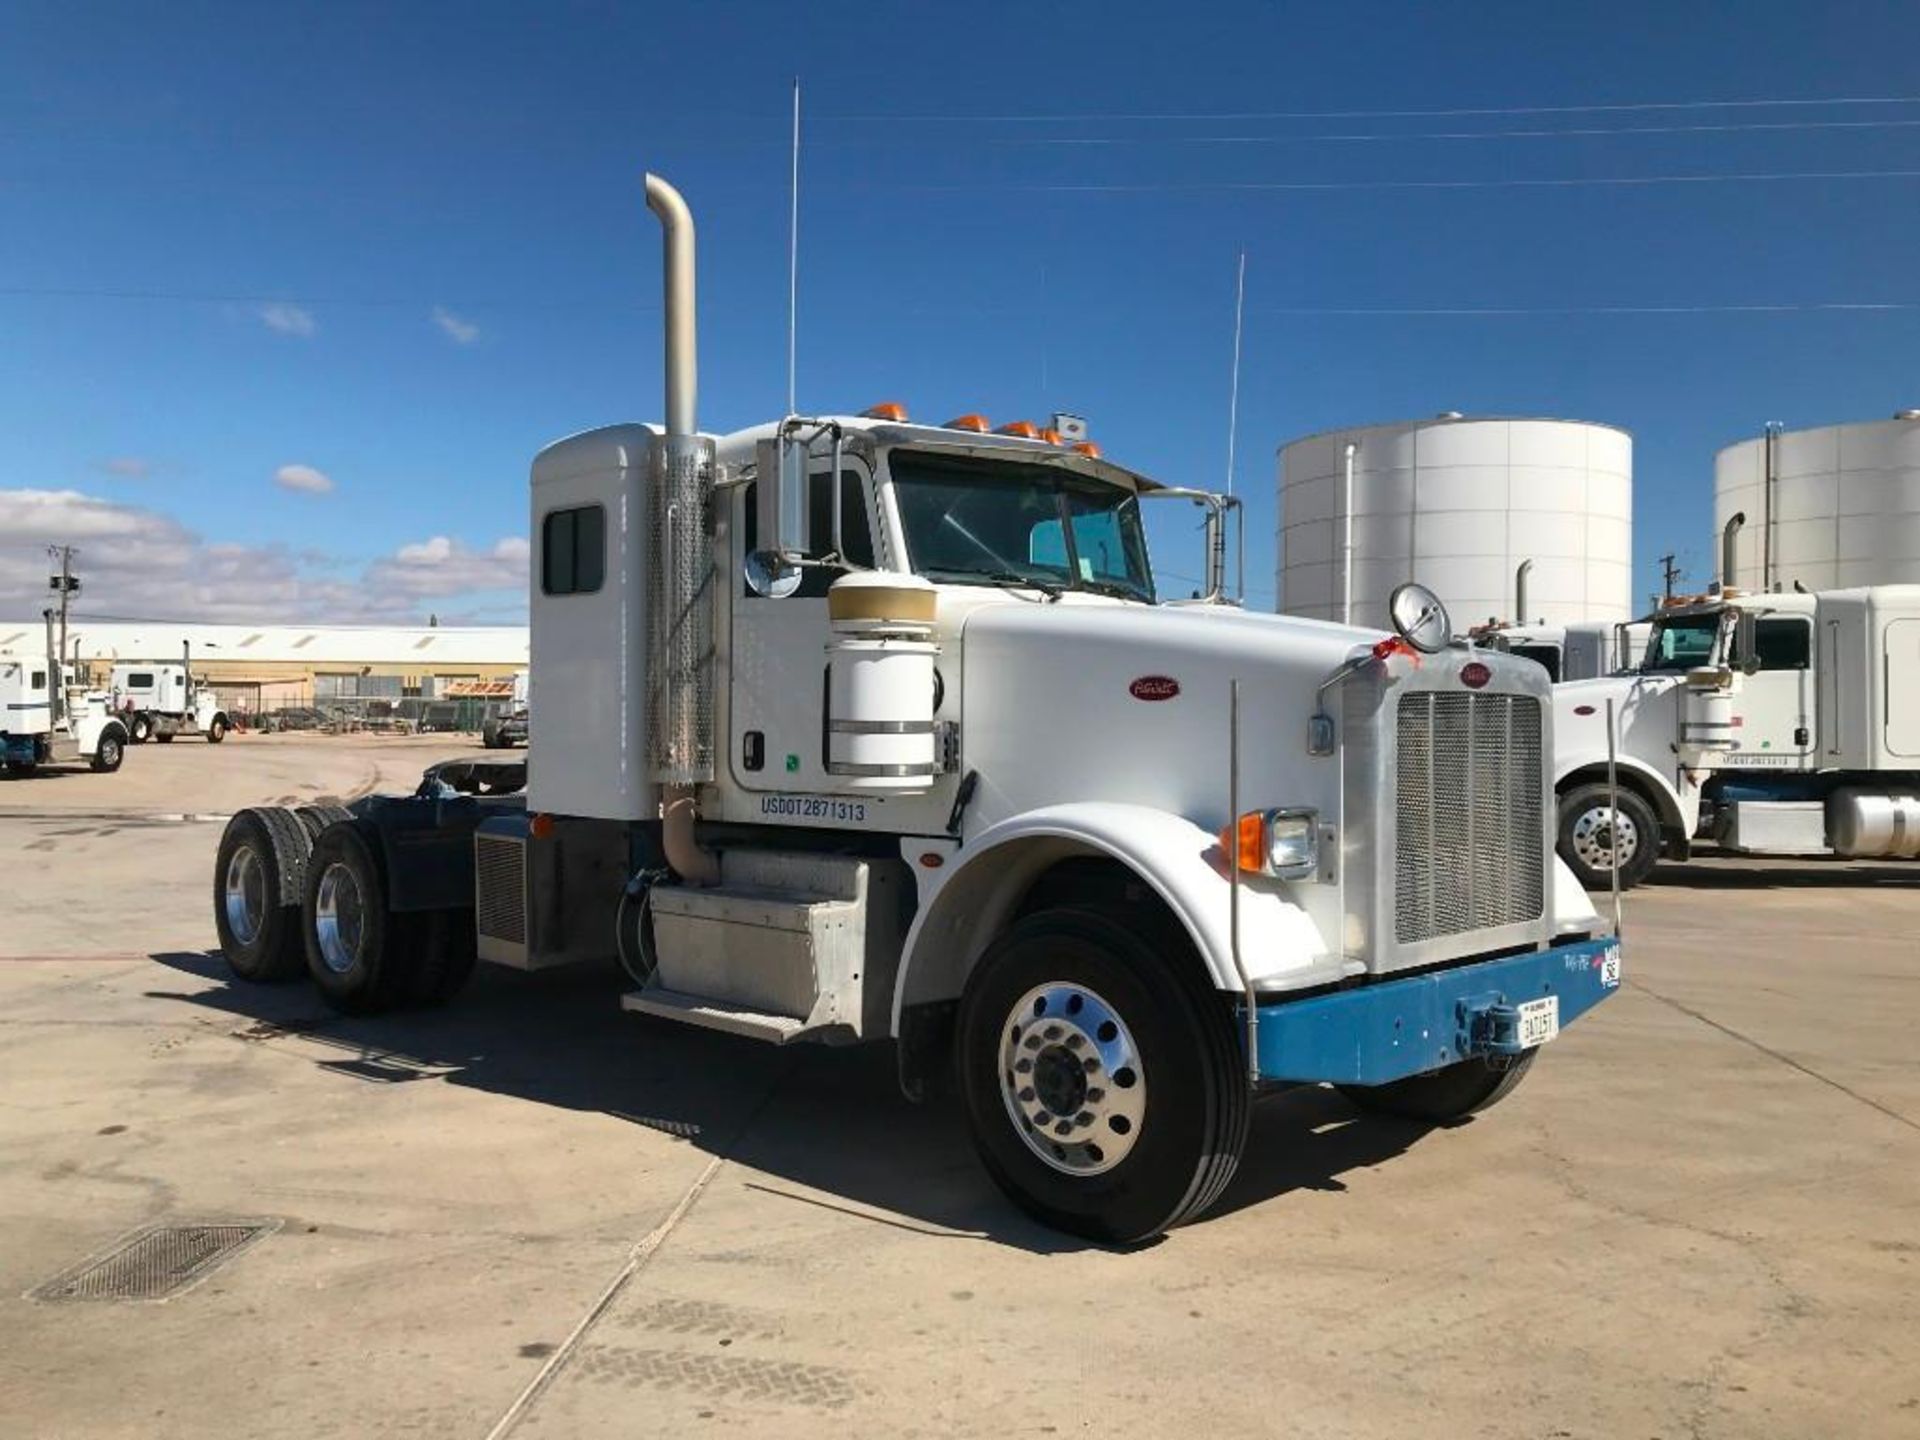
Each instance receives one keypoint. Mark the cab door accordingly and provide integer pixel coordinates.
(778, 659)
(1773, 708)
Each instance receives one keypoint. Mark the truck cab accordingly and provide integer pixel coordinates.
(1580, 651)
(159, 700)
(46, 718)
(1747, 722)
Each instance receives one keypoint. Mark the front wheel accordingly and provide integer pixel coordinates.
(109, 750)
(141, 730)
(1106, 1092)
(217, 731)
(1442, 1096)
(1595, 835)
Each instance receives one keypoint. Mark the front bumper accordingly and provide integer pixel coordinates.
(1374, 1034)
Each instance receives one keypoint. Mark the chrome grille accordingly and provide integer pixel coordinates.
(1469, 851)
(500, 888)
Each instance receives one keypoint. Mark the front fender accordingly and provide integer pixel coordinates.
(1281, 945)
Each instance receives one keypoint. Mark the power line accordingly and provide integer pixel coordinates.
(1498, 310)
(206, 297)
(1506, 183)
(1584, 132)
(1162, 117)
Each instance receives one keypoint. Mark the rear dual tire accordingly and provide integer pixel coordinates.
(1105, 1088)
(364, 957)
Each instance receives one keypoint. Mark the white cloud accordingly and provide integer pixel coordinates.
(285, 319)
(303, 478)
(128, 467)
(442, 566)
(141, 564)
(461, 332)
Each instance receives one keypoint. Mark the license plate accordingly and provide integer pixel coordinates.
(1539, 1021)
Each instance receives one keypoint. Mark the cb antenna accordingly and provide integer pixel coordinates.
(1233, 394)
(793, 251)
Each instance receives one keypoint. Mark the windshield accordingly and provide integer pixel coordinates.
(1682, 642)
(1006, 522)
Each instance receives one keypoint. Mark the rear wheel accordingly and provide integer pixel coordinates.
(356, 951)
(1595, 835)
(163, 737)
(259, 936)
(447, 951)
(1107, 1094)
(1442, 1096)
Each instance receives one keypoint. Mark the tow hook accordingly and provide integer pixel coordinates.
(1488, 1025)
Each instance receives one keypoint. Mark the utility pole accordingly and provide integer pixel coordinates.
(1669, 572)
(66, 585)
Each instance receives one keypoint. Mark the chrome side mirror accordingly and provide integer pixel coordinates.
(780, 508)
(1420, 618)
(1746, 646)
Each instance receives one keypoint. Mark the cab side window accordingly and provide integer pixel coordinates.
(856, 532)
(1784, 644)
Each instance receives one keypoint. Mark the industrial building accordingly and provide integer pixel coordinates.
(1825, 508)
(1457, 503)
(258, 668)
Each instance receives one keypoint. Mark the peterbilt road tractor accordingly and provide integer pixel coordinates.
(1770, 723)
(159, 700)
(876, 731)
(44, 720)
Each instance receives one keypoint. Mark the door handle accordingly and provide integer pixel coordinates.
(1800, 736)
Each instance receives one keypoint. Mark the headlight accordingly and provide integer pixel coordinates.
(1283, 843)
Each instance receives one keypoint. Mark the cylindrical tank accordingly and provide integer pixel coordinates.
(880, 682)
(1842, 508)
(1458, 503)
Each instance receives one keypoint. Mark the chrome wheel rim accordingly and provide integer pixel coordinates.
(1071, 1078)
(109, 752)
(1604, 836)
(246, 895)
(339, 917)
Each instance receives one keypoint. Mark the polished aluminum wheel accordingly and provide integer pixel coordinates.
(339, 916)
(1071, 1078)
(246, 894)
(1603, 836)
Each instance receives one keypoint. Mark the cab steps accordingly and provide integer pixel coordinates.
(713, 1015)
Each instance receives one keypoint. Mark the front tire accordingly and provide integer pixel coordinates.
(1107, 1092)
(1443, 1096)
(1587, 836)
(109, 750)
(141, 730)
(217, 731)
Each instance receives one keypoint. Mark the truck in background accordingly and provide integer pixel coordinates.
(1774, 724)
(877, 731)
(1583, 650)
(160, 699)
(509, 728)
(47, 720)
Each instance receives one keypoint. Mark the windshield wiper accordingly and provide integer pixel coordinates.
(1115, 588)
(1049, 588)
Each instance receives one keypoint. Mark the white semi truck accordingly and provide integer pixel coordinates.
(1771, 723)
(876, 732)
(159, 700)
(46, 720)
(1583, 650)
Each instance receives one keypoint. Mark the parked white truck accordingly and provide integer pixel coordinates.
(509, 727)
(1772, 723)
(45, 720)
(1583, 650)
(160, 699)
(875, 731)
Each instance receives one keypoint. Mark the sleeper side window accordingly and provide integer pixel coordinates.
(573, 550)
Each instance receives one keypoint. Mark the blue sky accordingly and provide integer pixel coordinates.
(404, 247)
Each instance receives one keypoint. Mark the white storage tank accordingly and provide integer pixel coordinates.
(1458, 503)
(1843, 507)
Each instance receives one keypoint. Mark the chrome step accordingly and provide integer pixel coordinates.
(698, 1010)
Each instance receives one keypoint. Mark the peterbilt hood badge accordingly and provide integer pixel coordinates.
(1154, 687)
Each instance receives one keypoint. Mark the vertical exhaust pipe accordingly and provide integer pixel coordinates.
(56, 692)
(1520, 612)
(679, 649)
(1729, 547)
(1346, 534)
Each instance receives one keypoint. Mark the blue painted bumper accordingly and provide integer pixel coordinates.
(1388, 1030)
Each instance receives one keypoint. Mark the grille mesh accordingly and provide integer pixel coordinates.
(500, 890)
(154, 1264)
(1468, 853)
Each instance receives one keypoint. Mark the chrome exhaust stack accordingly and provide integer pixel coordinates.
(680, 568)
(1729, 543)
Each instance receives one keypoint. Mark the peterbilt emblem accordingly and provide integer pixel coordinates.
(1473, 674)
(1154, 687)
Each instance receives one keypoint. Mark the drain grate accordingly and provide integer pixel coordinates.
(156, 1262)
